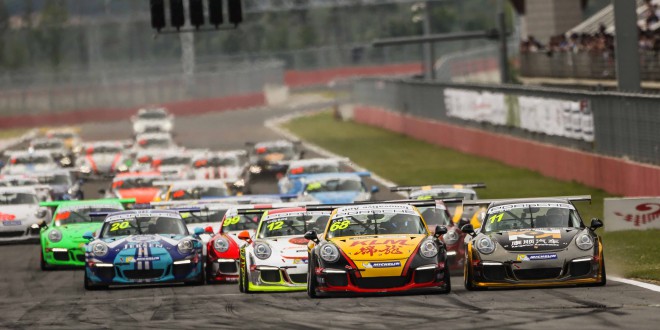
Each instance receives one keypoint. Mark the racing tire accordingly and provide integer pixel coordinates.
(311, 279)
(42, 263)
(201, 279)
(244, 282)
(467, 276)
(446, 288)
(603, 279)
(91, 287)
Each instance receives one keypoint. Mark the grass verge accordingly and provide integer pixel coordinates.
(12, 133)
(407, 161)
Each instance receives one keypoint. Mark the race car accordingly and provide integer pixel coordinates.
(154, 141)
(460, 214)
(20, 214)
(26, 162)
(70, 137)
(265, 157)
(287, 185)
(376, 248)
(230, 166)
(334, 188)
(143, 246)
(141, 161)
(176, 164)
(57, 149)
(193, 189)
(61, 239)
(62, 185)
(102, 159)
(43, 191)
(275, 259)
(533, 242)
(150, 120)
(137, 185)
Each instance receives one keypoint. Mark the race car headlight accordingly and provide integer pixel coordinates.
(329, 253)
(584, 242)
(450, 238)
(41, 213)
(99, 249)
(221, 245)
(185, 246)
(428, 249)
(485, 245)
(167, 126)
(55, 236)
(85, 169)
(122, 168)
(262, 251)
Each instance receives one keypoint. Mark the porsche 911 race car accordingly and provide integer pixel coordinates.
(137, 185)
(44, 192)
(193, 189)
(142, 159)
(288, 185)
(141, 247)
(230, 166)
(27, 162)
(265, 157)
(533, 242)
(61, 239)
(275, 259)
(150, 120)
(334, 188)
(174, 165)
(376, 248)
(102, 159)
(62, 185)
(20, 214)
(57, 149)
(70, 137)
(460, 215)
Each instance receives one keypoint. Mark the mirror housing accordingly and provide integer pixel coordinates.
(312, 236)
(208, 230)
(244, 236)
(595, 224)
(374, 189)
(198, 231)
(302, 154)
(88, 236)
(468, 229)
(42, 224)
(439, 231)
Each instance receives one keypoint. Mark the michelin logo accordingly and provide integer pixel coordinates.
(388, 264)
(532, 257)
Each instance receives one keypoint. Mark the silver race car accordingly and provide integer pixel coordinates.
(102, 159)
(20, 214)
(26, 162)
(150, 120)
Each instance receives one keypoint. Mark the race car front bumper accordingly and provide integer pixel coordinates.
(273, 278)
(345, 280)
(18, 233)
(64, 256)
(222, 270)
(177, 271)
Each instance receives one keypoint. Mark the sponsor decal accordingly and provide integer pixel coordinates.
(138, 259)
(298, 241)
(141, 238)
(299, 261)
(646, 213)
(503, 208)
(385, 250)
(532, 257)
(382, 264)
(11, 223)
(541, 237)
(142, 214)
(140, 245)
(6, 217)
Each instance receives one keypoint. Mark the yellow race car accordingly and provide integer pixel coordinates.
(383, 247)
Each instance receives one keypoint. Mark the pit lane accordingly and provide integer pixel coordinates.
(30, 298)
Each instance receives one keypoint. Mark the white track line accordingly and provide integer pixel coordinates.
(274, 125)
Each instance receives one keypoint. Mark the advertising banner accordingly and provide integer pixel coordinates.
(639, 213)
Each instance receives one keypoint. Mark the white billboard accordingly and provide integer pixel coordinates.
(637, 213)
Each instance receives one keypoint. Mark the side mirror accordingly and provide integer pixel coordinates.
(374, 189)
(439, 231)
(312, 236)
(468, 229)
(42, 224)
(244, 236)
(595, 224)
(302, 154)
(198, 231)
(88, 236)
(208, 230)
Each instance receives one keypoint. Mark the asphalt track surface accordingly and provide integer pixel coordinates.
(30, 298)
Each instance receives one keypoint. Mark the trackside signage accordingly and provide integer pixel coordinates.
(632, 213)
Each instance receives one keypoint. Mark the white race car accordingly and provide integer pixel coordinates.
(152, 120)
(230, 166)
(102, 159)
(193, 189)
(43, 191)
(26, 162)
(287, 185)
(175, 164)
(57, 149)
(154, 141)
(20, 214)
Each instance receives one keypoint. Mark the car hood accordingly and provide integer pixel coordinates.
(146, 249)
(18, 212)
(537, 239)
(141, 195)
(288, 247)
(74, 232)
(334, 197)
(103, 162)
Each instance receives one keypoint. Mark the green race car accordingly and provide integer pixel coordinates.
(62, 242)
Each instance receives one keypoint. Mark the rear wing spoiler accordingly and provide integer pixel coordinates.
(167, 183)
(248, 199)
(300, 176)
(58, 203)
(412, 202)
(180, 210)
(455, 185)
(336, 159)
(478, 202)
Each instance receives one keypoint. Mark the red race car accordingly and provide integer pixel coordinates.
(138, 185)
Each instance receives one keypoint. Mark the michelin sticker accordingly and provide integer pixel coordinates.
(533, 257)
(383, 264)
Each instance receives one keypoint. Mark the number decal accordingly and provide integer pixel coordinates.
(497, 217)
(232, 221)
(340, 225)
(119, 225)
(275, 225)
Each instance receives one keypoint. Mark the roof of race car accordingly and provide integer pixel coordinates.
(138, 174)
(68, 205)
(104, 143)
(285, 210)
(403, 208)
(274, 143)
(313, 161)
(46, 140)
(153, 135)
(14, 190)
(441, 190)
(329, 176)
(152, 109)
(187, 184)
(141, 213)
(23, 153)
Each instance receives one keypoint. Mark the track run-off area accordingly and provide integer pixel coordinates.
(31, 298)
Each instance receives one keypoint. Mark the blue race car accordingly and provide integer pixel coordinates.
(334, 188)
(141, 247)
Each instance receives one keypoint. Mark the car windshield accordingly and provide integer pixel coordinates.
(382, 223)
(48, 145)
(26, 160)
(18, 182)
(203, 216)
(265, 152)
(80, 214)
(154, 143)
(153, 115)
(57, 179)
(143, 225)
(198, 193)
(242, 222)
(7, 198)
(62, 135)
(179, 160)
(290, 225)
(434, 216)
(334, 185)
(531, 215)
(222, 161)
(103, 150)
(134, 182)
(314, 168)
(442, 194)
